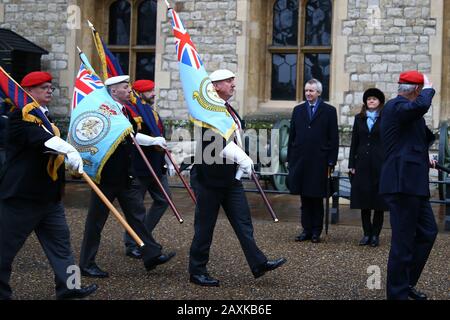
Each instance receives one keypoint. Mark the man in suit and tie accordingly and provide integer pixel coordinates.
(404, 183)
(312, 151)
(218, 185)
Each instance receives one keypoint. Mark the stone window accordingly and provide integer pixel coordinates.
(132, 36)
(299, 47)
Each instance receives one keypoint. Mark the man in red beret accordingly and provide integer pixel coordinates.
(31, 189)
(159, 162)
(146, 90)
(39, 85)
(404, 184)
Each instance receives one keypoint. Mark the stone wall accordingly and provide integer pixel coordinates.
(213, 28)
(43, 22)
(385, 37)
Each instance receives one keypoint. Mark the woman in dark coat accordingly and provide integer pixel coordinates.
(366, 157)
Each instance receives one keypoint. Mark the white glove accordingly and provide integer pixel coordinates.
(427, 83)
(74, 161)
(234, 153)
(145, 140)
(170, 168)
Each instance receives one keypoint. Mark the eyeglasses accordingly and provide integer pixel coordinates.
(47, 88)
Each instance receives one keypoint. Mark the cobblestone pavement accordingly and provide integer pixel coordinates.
(336, 268)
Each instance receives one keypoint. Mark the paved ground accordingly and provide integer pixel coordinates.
(333, 269)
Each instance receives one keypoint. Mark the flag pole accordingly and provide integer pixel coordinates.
(116, 213)
(263, 195)
(177, 169)
(161, 187)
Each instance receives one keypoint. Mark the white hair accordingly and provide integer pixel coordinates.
(317, 83)
(406, 87)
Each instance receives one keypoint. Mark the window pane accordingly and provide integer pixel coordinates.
(145, 66)
(318, 23)
(285, 23)
(123, 59)
(147, 23)
(119, 23)
(318, 66)
(284, 76)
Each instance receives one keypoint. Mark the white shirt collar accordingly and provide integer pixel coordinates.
(43, 109)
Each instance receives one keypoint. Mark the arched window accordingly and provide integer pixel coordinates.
(119, 23)
(299, 51)
(132, 36)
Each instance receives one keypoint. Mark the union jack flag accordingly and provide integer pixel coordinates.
(85, 83)
(186, 51)
(207, 112)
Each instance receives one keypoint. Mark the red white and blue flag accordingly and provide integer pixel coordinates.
(206, 108)
(85, 83)
(186, 51)
(97, 124)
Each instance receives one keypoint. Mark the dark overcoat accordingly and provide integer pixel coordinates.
(366, 157)
(406, 140)
(313, 145)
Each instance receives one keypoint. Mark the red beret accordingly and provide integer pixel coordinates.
(412, 77)
(36, 78)
(143, 85)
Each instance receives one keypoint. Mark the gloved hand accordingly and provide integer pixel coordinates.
(145, 140)
(234, 153)
(74, 161)
(170, 168)
(427, 84)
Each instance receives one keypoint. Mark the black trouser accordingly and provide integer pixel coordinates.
(372, 228)
(235, 205)
(130, 200)
(414, 230)
(156, 211)
(312, 213)
(18, 219)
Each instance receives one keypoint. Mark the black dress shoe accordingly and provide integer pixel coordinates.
(315, 239)
(204, 280)
(375, 241)
(94, 272)
(267, 266)
(78, 293)
(303, 237)
(364, 241)
(414, 294)
(163, 258)
(134, 253)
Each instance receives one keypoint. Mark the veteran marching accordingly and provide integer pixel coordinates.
(116, 142)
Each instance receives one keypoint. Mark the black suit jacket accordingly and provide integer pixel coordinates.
(213, 170)
(406, 140)
(313, 145)
(26, 174)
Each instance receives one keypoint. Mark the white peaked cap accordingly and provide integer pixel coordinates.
(116, 80)
(221, 74)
